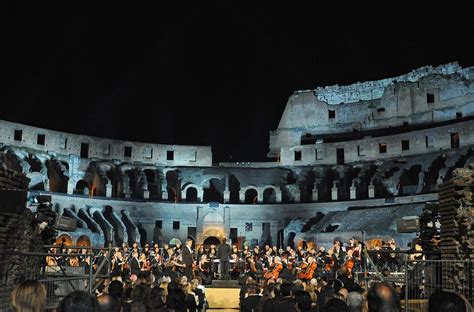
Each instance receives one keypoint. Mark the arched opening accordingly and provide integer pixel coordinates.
(175, 241)
(173, 183)
(213, 190)
(83, 241)
(269, 196)
(35, 163)
(409, 181)
(234, 188)
(132, 183)
(211, 240)
(63, 239)
(82, 187)
(143, 234)
(291, 240)
(191, 194)
(152, 185)
(113, 174)
(56, 175)
(251, 196)
(280, 239)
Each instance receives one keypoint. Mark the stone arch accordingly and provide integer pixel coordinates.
(152, 178)
(175, 241)
(234, 188)
(58, 175)
(191, 192)
(213, 225)
(251, 195)
(83, 241)
(173, 183)
(213, 189)
(409, 180)
(211, 240)
(82, 187)
(64, 238)
(270, 194)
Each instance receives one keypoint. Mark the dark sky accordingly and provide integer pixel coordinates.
(218, 73)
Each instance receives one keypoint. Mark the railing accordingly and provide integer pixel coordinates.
(416, 279)
(59, 278)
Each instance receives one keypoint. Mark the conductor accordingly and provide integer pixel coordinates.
(223, 253)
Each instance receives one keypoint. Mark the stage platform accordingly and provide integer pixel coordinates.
(222, 299)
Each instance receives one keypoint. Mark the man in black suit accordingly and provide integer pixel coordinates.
(135, 267)
(188, 260)
(223, 253)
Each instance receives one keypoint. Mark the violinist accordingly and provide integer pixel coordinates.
(204, 269)
(117, 264)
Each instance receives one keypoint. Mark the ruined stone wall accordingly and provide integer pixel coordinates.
(17, 233)
(438, 94)
(70, 144)
(367, 149)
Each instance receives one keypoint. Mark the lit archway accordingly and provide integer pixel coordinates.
(83, 241)
(64, 239)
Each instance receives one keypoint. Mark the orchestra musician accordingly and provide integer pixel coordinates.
(188, 261)
(204, 269)
(275, 272)
(307, 269)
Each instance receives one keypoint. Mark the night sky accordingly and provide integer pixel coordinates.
(218, 73)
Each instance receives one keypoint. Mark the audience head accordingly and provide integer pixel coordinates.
(382, 297)
(78, 301)
(116, 289)
(108, 303)
(447, 301)
(303, 300)
(336, 305)
(28, 296)
(355, 301)
(285, 289)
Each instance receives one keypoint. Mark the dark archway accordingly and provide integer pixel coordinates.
(172, 180)
(234, 188)
(213, 191)
(291, 240)
(280, 239)
(251, 196)
(151, 177)
(269, 196)
(56, 177)
(409, 180)
(211, 240)
(81, 185)
(191, 194)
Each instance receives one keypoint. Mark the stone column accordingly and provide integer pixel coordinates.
(226, 196)
(146, 194)
(260, 197)
(241, 196)
(297, 195)
(200, 194)
(421, 183)
(164, 194)
(334, 192)
(315, 193)
(70, 188)
(352, 191)
(108, 190)
(278, 196)
(371, 190)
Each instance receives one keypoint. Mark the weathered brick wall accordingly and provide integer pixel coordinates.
(17, 233)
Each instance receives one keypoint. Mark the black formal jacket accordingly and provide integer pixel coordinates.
(223, 252)
(187, 256)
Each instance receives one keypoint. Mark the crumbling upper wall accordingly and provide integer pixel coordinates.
(423, 96)
(101, 148)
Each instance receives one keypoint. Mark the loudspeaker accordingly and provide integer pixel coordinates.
(225, 284)
(411, 225)
(12, 201)
(65, 223)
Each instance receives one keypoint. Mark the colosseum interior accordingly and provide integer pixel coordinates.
(344, 160)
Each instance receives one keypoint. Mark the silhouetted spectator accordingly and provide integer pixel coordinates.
(355, 301)
(336, 305)
(445, 301)
(28, 296)
(303, 301)
(108, 303)
(78, 301)
(382, 297)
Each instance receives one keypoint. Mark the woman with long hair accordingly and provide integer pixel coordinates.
(28, 296)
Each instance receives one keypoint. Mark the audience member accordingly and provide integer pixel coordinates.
(445, 301)
(28, 296)
(78, 301)
(382, 297)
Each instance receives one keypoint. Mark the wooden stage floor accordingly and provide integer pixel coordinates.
(223, 299)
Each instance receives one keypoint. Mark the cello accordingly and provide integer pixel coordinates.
(307, 270)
